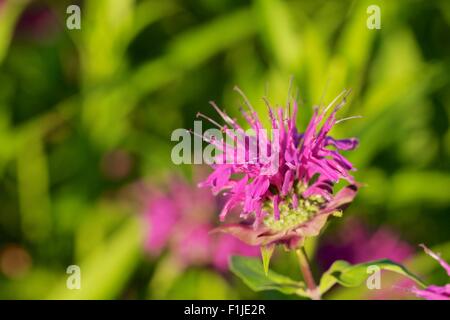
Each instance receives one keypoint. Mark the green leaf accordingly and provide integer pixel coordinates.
(420, 263)
(266, 254)
(251, 271)
(348, 275)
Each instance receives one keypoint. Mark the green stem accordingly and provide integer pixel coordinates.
(307, 274)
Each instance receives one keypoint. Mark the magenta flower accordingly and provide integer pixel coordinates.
(434, 292)
(285, 194)
(180, 220)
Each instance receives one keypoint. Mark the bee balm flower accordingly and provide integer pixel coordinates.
(290, 196)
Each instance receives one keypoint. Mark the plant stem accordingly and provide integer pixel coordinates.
(307, 274)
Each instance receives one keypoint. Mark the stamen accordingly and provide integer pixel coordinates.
(271, 116)
(201, 115)
(342, 94)
(348, 118)
(247, 102)
(224, 115)
(267, 103)
(200, 136)
(247, 117)
(344, 100)
(212, 141)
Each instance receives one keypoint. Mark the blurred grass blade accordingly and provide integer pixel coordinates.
(107, 270)
(411, 188)
(199, 44)
(9, 13)
(167, 272)
(278, 32)
(147, 12)
(107, 25)
(185, 52)
(34, 200)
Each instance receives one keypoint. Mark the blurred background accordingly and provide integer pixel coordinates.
(86, 118)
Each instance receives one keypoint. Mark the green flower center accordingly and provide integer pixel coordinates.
(291, 217)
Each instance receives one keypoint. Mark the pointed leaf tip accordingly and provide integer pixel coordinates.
(266, 254)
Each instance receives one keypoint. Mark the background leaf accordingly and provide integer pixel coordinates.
(348, 275)
(251, 271)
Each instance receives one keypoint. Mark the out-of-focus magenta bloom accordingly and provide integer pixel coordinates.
(286, 193)
(180, 220)
(435, 292)
(38, 22)
(355, 243)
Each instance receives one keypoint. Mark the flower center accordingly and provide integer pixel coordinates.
(291, 216)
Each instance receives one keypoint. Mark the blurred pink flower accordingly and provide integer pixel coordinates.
(180, 220)
(434, 292)
(162, 216)
(355, 243)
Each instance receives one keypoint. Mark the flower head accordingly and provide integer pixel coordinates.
(435, 292)
(285, 189)
(180, 220)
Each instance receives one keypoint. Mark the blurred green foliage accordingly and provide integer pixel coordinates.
(85, 113)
